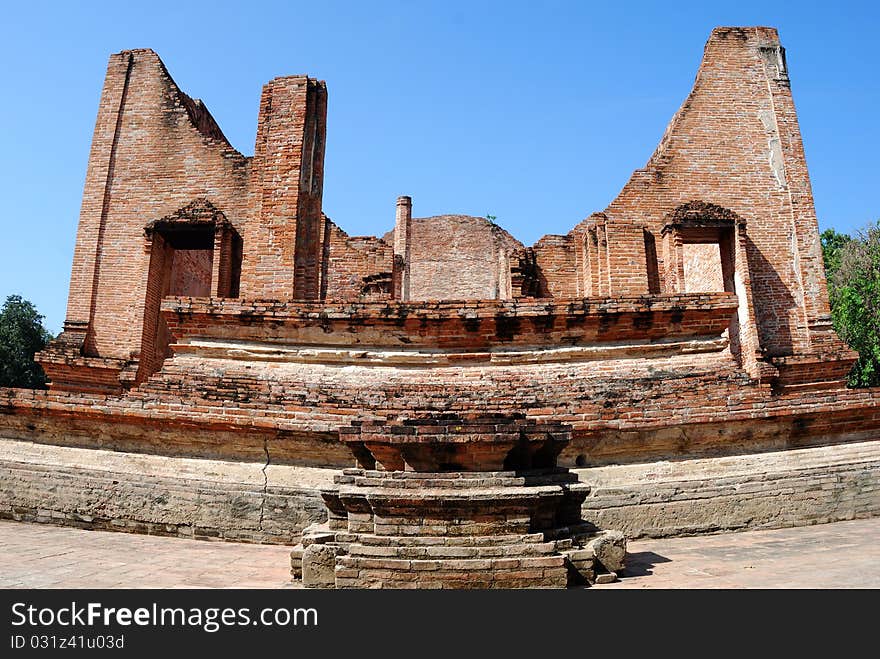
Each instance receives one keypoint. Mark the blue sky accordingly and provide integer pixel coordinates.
(534, 112)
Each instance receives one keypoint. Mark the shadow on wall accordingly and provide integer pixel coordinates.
(543, 288)
(773, 304)
(652, 263)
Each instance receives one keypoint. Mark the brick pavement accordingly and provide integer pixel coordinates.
(43, 556)
(839, 555)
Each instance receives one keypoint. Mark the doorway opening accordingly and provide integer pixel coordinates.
(196, 252)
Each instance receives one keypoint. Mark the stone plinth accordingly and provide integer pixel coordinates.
(452, 502)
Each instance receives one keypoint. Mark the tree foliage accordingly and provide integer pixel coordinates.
(21, 335)
(853, 268)
(833, 243)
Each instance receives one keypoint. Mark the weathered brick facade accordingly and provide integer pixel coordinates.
(728, 181)
(216, 312)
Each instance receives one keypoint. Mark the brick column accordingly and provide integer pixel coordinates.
(402, 246)
(283, 237)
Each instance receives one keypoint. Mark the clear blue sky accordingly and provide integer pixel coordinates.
(535, 112)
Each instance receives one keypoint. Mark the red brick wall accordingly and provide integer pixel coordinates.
(702, 268)
(349, 261)
(457, 257)
(148, 158)
(626, 256)
(735, 142)
(474, 325)
(556, 257)
(191, 272)
(154, 151)
(598, 257)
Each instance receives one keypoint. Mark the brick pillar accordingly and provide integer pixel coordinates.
(402, 246)
(747, 341)
(282, 240)
(673, 260)
(221, 265)
(604, 267)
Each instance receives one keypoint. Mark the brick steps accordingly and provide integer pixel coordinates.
(530, 572)
(462, 528)
(449, 541)
(440, 483)
(494, 493)
(437, 552)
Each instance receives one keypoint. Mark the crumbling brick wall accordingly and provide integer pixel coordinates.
(154, 150)
(556, 257)
(734, 146)
(738, 124)
(458, 257)
(355, 266)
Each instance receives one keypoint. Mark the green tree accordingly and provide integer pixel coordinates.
(21, 335)
(854, 288)
(832, 245)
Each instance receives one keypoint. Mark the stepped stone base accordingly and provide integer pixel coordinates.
(436, 524)
(452, 530)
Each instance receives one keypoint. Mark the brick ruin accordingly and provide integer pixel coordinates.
(455, 375)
